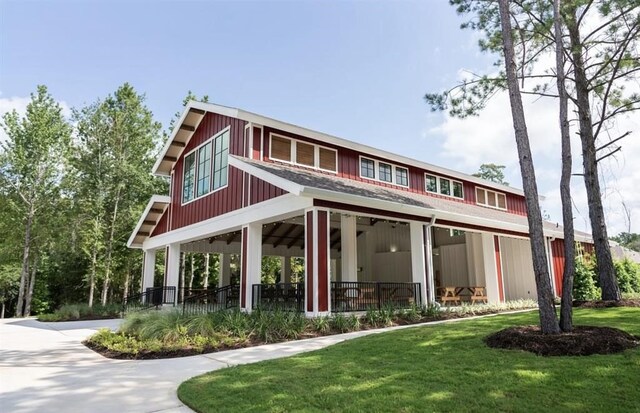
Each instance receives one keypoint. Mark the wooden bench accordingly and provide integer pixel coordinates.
(450, 295)
(478, 294)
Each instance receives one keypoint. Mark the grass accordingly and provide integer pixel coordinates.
(442, 368)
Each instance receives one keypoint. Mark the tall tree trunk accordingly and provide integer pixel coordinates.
(548, 320)
(107, 270)
(24, 273)
(183, 268)
(566, 306)
(604, 261)
(127, 277)
(32, 283)
(192, 270)
(92, 275)
(205, 280)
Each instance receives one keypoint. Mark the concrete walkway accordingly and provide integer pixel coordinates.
(45, 368)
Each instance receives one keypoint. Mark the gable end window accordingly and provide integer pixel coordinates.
(206, 167)
(302, 153)
(443, 186)
(491, 199)
(383, 172)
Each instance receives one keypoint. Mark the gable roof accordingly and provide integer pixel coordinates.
(154, 210)
(195, 111)
(305, 182)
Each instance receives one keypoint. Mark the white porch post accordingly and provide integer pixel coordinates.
(349, 245)
(251, 263)
(418, 261)
(148, 269)
(172, 269)
(491, 268)
(431, 284)
(317, 263)
(547, 247)
(224, 277)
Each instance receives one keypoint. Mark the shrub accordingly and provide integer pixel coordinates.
(320, 324)
(584, 285)
(432, 311)
(72, 312)
(628, 275)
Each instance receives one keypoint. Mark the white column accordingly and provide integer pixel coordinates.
(490, 268)
(431, 284)
(148, 269)
(418, 261)
(224, 276)
(172, 269)
(349, 245)
(252, 270)
(547, 247)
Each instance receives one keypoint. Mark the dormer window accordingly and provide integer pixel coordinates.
(491, 199)
(383, 172)
(303, 153)
(443, 186)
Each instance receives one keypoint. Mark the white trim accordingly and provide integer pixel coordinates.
(282, 207)
(333, 140)
(175, 131)
(294, 152)
(154, 198)
(195, 183)
(501, 273)
(486, 197)
(376, 172)
(438, 187)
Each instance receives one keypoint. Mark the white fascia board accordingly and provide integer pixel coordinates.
(272, 210)
(259, 173)
(153, 200)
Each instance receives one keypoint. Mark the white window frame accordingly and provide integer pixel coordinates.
(487, 192)
(294, 146)
(376, 171)
(437, 192)
(210, 140)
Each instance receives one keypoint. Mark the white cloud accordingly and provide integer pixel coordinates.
(488, 138)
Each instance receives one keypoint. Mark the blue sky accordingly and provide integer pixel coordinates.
(355, 69)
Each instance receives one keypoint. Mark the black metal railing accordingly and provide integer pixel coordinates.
(212, 300)
(362, 296)
(282, 296)
(186, 292)
(150, 298)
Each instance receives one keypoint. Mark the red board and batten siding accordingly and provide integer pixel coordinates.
(308, 247)
(557, 254)
(226, 199)
(162, 225)
(349, 167)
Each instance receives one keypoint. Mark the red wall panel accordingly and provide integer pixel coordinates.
(557, 257)
(162, 226)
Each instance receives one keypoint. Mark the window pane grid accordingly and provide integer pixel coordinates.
(367, 168)
(189, 177)
(402, 176)
(385, 172)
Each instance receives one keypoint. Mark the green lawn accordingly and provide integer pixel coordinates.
(437, 368)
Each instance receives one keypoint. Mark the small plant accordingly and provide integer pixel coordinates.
(584, 285)
(412, 314)
(431, 311)
(372, 317)
(339, 323)
(321, 324)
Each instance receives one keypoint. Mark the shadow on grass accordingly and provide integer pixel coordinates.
(436, 368)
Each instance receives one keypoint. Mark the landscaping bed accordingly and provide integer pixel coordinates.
(582, 341)
(166, 334)
(625, 302)
(82, 312)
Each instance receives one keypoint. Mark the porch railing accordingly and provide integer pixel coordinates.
(282, 296)
(212, 300)
(151, 297)
(362, 296)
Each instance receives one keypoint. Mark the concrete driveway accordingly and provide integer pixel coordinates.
(45, 368)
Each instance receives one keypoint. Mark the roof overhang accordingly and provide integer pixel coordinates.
(154, 210)
(357, 200)
(195, 111)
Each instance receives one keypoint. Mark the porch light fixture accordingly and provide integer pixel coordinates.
(393, 248)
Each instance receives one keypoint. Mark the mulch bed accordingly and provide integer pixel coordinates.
(582, 341)
(629, 302)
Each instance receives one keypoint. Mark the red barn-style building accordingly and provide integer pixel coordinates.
(373, 227)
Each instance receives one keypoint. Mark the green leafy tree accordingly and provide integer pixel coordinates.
(31, 169)
(492, 172)
(117, 142)
(9, 283)
(601, 61)
(628, 240)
